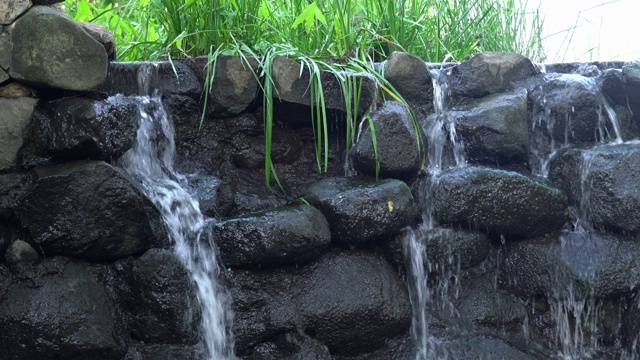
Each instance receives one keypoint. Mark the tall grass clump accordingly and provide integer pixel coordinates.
(340, 36)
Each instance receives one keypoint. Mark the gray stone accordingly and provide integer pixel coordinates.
(360, 211)
(3, 76)
(14, 118)
(398, 149)
(81, 128)
(87, 209)
(158, 296)
(286, 235)
(63, 313)
(11, 9)
(51, 50)
(101, 35)
(495, 130)
(5, 54)
(410, 77)
(352, 302)
(289, 346)
(19, 253)
(15, 90)
(497, 201)
(215, 196)
(490, 73)
(13, 188)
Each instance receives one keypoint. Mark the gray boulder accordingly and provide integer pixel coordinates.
(214, 195)
(285, 235)
(409, 75)
(79, 129)
(359, 211)
(490, 73)
(11, 9)
(13, 187)
(398, 150)
(15, 115)
(352, 302)
(63, 313)
(497, 201)
(20, 254)
(495, 130)
(5, 56)
(157, 295)
(101, 35)
(51, 50)
(86, 209)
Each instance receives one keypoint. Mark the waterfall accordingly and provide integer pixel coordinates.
(150, 162)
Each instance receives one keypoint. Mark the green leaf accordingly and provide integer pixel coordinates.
(308, 16)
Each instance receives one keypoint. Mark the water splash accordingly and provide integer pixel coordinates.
(150, 162)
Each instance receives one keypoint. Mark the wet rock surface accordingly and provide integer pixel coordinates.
(14, 120)
(409, 75)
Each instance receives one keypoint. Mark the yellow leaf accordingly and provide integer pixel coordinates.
(390, 205)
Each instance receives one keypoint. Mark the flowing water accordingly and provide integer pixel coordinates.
(150, 161)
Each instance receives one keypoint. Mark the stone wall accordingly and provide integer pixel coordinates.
(88, 269)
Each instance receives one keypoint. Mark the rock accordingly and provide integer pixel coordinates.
(398, 149)
(449, 249)
(610, 174)
(352, 302)
(20, 253)
(359, 211)
(163, 352)
(5, 55)
(495, 130)
(15, 90)
(157, 294)
(558, 263)
(234, 86)
(485, 347)
(490, 73)
(81, 128)
(214, 196)
(285, 235)
(50, 50)
(564, 172)
(3, 76)
(290, 346)
(264, 305)
(410, 77)
(67, 315)
(613, 85)
(11, 9)
(86, 209)
(292, 86)
(497, 201)
(14, 119)
(13, 187)
(100, 34)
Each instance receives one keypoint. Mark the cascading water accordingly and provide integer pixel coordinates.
(150, 162)
(441, 133)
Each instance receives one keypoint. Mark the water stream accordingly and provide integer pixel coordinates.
(150, 162)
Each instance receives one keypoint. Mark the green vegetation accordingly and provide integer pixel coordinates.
(339, 36)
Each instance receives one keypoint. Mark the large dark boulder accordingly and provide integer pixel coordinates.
(352, 302)
(359, 211)
(81, 128)
(285, 235)
(397, 144)
(490, 73)
(62, 313)
(51, 50)
(495, 130)
(158, 297)
(215, 196)
(594, 264)
(497, 201)
(86, 209)
(608, 177)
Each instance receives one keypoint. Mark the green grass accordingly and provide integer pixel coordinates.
(339, 36)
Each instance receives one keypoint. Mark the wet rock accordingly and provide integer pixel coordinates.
(486, 347)
(613, 85)
(14, 120)
(495, 130)
(398, 152)
(292, 86)
(610, 174)
(13, 187)
(359, 211)
(157, 295)
(410, 77)
(86, 209)
(214, 196)
(285, 235)
(290, 346)
(352, 302)
(163, 352)
(81, 128)
(10, 10)
(51, 50)
(449, 249)
(497, 201)
(5, 56)
(557, 263)
(490, 73)
(101, 35)
(246, 203)
(66, 314)
(399, 348)
(19, 254)
(263, 306)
